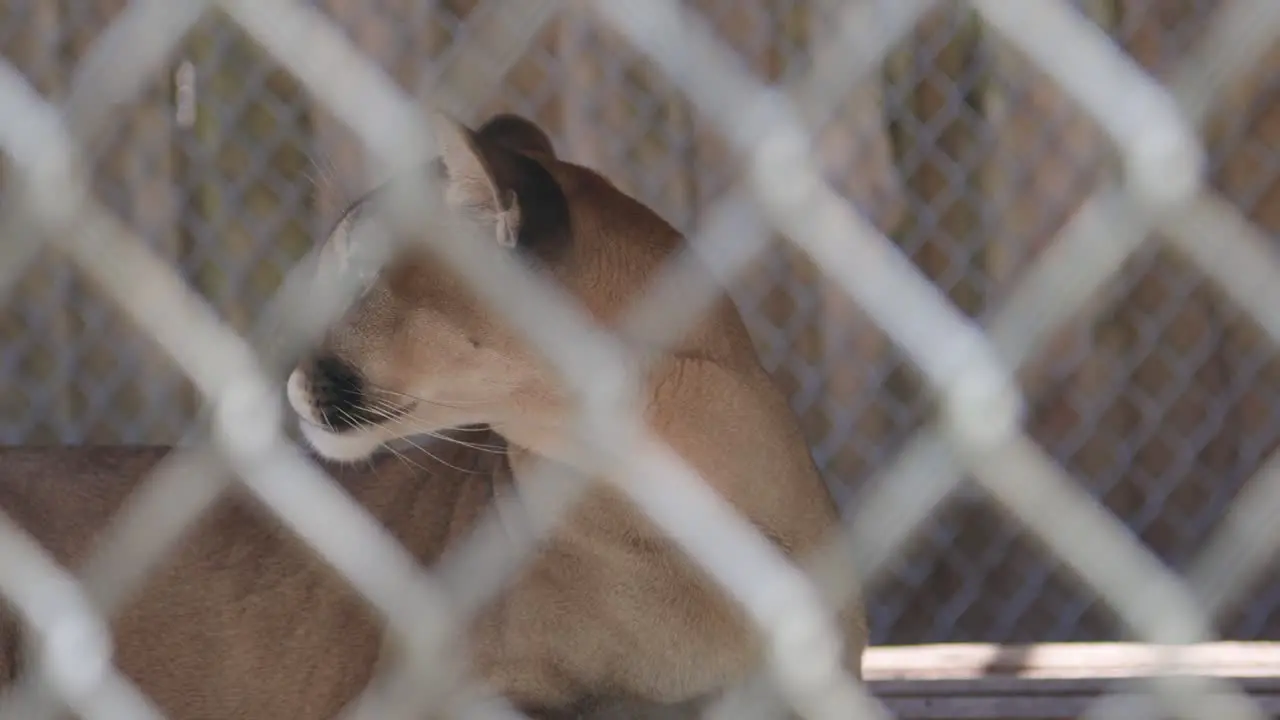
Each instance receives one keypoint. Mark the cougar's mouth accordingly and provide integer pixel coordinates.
(339, 414)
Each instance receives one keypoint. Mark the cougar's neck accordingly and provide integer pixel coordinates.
(535, 421)
(548, 427)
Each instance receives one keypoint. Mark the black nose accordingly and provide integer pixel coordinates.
(338, 393)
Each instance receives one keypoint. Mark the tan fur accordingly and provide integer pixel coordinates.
(611, 606)
(243, 622)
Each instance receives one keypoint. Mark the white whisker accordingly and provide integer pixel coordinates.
(417, 447)
(388, 414)
(433, 456)
(395, 394)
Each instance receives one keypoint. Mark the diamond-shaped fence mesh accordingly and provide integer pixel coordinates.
(1025, 321)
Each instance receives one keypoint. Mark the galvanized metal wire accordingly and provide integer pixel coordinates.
(970, 366)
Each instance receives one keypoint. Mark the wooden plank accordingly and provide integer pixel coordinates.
(1014, 707)
(1056, 680)
(1039, 687)
(957, 661)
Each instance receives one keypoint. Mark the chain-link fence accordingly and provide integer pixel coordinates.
(1034, 234)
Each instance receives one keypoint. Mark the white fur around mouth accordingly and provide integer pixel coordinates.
(346, 447)
(342, 447)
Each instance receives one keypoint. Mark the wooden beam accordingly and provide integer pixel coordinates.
(956, 661)
(1059, 680)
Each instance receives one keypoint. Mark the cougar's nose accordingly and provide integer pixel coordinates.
(338, 393)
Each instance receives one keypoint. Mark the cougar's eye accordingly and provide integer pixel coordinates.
(352, 253)
(361, 270)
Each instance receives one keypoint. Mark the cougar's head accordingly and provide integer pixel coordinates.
(418, 352)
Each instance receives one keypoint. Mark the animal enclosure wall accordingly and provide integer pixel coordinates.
(1161, 400)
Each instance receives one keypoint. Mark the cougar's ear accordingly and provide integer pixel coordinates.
(471, 184)
(516, 133)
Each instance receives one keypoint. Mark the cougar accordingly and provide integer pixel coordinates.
(609, 613)
(611, 604)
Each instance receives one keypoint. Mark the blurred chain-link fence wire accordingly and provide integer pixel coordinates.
(1070, 207)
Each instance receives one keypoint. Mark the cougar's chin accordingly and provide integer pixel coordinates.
(345, 447)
